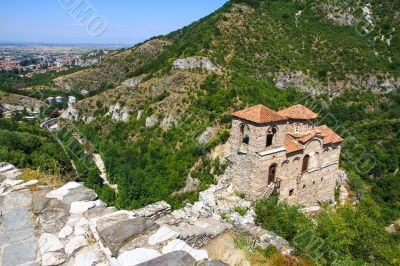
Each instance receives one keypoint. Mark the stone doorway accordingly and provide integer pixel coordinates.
(272, 173)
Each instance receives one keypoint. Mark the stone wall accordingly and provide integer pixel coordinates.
(257, 134)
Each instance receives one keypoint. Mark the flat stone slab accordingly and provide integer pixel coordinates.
(136, 256)
(175, 258)
(16, 199)
(19, 253)
(118, 234)
(16, 219)
(18, 235)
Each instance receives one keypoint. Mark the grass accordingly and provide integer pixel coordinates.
(51, 180)
(241, 210)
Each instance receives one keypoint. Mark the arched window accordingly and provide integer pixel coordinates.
(304, 167)
(272, 173)
(244, 134)
(270, 136)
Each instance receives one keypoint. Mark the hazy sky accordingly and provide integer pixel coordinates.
(97, 21)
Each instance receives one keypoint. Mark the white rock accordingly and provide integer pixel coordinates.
(65, 231)
(49, 243)
(81, 206)
(81, 227)
(178, 244)
(52, 258)
(137, 256)
(75, 243)
(62, 191)
(163, 234)
(86, 259)
(100, 203)
(12, 183)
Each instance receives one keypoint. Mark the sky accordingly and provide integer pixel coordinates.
(97, 21)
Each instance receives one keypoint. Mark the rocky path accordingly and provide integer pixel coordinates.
(18, 244)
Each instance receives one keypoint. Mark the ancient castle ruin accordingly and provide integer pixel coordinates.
(283, 152)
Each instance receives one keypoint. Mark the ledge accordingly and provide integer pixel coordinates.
(242, 151)
(330, 164)
(269, 152)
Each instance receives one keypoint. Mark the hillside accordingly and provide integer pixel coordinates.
(159, 113)
(321, 48)
(270, 52)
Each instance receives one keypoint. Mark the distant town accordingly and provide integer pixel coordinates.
(28, 60)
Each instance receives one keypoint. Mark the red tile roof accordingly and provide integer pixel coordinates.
(330, 137)
(291, 145)
(298, 112)
(259, 114)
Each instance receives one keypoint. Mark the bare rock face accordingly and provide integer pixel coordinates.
(207, 135)
(194, 63)
(380, 84)
(132, 82)
(118, 114)
(338, 15)
(70, 114)
(118, 234)
(151, 121)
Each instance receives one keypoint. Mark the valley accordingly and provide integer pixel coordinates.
(152, 117)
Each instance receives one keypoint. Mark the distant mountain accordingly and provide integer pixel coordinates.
(319, 47)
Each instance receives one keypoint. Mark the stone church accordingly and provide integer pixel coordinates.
(283, 152)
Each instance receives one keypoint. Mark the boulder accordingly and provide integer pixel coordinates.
(81, 206)
(174, 258)
(118, 234)
(59, 193)
(137, 256)
(79, 194)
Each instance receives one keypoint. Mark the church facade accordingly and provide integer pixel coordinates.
(283, 152)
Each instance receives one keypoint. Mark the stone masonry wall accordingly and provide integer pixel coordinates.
(249, 170)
